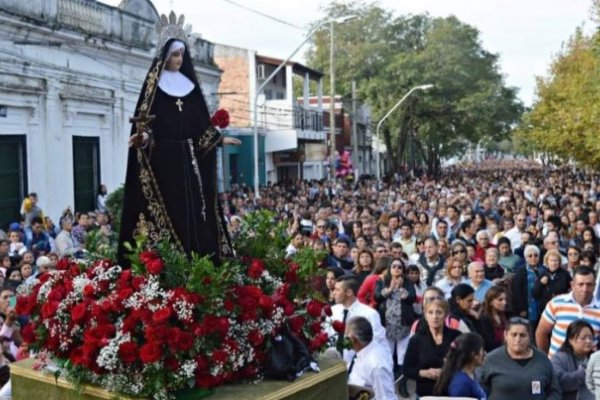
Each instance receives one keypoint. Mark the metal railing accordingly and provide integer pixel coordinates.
(305, 119)
(86, 15)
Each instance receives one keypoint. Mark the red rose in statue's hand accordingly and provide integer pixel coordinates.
(220, 119)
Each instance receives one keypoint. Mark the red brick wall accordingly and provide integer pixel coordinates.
(235, 79)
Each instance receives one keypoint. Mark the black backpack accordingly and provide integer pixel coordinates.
(288, 357)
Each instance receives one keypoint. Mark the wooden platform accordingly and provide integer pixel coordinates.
(329, 384)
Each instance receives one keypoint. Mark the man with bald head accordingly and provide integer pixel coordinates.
(477, 280)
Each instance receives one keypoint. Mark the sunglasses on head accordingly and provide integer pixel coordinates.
(518, 320)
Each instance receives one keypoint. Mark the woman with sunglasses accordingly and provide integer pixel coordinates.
(573, 254)
(453, 276)
(395, 298)
(524, 304)
(571, 359)
(517, 370)
(459, 252)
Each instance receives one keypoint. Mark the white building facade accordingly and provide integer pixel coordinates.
(70, 76)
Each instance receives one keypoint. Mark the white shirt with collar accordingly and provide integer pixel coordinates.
(357, 309)
(373, 368)
(514, 235)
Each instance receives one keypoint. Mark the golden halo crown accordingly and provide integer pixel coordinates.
(172, 27)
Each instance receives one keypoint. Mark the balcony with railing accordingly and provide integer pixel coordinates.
(277, 115)
(311, 120)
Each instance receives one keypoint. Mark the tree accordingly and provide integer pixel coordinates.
(388, 56)
(564, 118)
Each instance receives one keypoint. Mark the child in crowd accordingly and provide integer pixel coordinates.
(414, 277)
(16, 247)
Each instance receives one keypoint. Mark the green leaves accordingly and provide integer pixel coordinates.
(209, 280)
(388, 55)
(261, 237)
(565, 117)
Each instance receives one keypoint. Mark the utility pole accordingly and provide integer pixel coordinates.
(354, 134)
(331, 105)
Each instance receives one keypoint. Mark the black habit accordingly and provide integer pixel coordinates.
(171, 184)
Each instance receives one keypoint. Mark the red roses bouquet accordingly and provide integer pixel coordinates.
(220, 119)
(129, 332)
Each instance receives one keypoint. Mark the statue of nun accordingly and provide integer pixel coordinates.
(171, 182)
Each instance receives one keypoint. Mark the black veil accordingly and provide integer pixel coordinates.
(187, 69)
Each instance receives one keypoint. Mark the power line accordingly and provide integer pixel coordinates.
(264, 15)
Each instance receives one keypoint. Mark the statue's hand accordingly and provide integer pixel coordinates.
(139, 141)
(231, 140)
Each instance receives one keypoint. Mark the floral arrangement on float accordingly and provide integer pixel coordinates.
(169, 325)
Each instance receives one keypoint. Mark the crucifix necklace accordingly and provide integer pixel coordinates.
(179, 103)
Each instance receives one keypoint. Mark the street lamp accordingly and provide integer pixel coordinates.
(377, 154)
(262, 86)
(332, 95)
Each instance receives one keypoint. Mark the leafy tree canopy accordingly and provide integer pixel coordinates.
(565, 117)
(388, 55)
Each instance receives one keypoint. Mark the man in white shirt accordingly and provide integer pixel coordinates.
(372, 366)
(348, 306)
(514, 234)
(407, 239)
(65, 247)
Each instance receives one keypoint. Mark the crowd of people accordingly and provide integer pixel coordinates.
(481, 283)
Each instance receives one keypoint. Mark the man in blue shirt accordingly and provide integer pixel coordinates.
(36, 239)
(477, 280)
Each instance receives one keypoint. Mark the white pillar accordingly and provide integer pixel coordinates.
(320, 95)
(289, 85)
(306, 91)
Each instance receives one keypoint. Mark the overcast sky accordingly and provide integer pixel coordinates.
(525, 33)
